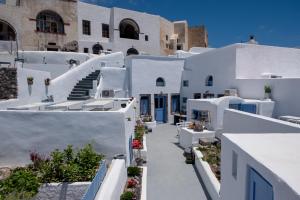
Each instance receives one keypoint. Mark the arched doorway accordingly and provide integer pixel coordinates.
(97, 48)
(132, 51)
(7, 31)
(129, 29)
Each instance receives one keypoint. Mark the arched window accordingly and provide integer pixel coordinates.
(132, 51)
(129, 29)
(49, 22)
(209, 81)
(160, 82)
(7, 32)
(97, 48)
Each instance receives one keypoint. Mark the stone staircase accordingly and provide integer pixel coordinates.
(81, 89)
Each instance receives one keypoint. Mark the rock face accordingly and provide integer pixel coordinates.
(8, 83)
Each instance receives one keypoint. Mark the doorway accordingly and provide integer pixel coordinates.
(161, 108)
(258, 187)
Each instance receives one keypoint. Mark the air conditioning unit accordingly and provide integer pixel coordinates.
(230, 92)
(108, 93)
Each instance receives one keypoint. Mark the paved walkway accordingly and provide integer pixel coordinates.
(169, 178)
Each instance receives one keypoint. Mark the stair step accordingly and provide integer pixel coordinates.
(79, 98)
(79, 92)
(83, 87)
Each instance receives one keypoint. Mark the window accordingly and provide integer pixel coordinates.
(160, 82)
(179, 47)
(175, 103)
(86, 27)
(208, 95)
(184, 99)
(167, 37)
(197, 95)
(49, 22)
(234, 164)
(167, 46)
(185, 83)
(146, 38)
(129, 29)
(105, 30)
(200, 115)
(209, 81)
(86, 50)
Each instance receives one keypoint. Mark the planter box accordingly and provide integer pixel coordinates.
(67, 191)
(210, 181)
(141, 152)
(189, 137)
(151, 125)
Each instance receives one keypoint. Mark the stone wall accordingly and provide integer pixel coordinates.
(198, 37)
(8, 83)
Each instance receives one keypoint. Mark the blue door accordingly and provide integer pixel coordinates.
(258, 187)
(160, 108)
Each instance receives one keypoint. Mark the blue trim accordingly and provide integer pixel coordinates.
(96, 183)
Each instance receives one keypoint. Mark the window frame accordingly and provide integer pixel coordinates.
(86, 27)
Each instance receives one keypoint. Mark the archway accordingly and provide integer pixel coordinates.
(97, 48)
(7, 31)
(129, 29)
(132, 51)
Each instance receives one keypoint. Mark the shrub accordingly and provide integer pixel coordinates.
(127, 196)
(133, 171)
(21, 184)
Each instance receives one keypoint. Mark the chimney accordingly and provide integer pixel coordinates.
(252, 40)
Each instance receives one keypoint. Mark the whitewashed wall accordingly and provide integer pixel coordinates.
(254, 60)
(38, 89)
(236, 189)
(144, 70)
(45, 131)
(62, 86)
(97, 15)
(222, 63)
(114, 182)
(241, 122)
(148, 24)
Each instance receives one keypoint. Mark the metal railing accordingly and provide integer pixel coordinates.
(96, 183)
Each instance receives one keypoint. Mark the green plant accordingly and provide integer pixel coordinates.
(133, 171)
(21, 184)
(127, 196)
(268, 89)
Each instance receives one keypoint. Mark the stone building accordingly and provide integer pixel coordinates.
(71, 25)
(39, 25)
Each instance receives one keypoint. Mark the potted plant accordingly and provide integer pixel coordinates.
(268, 91)
(30, 80)
(47, 81)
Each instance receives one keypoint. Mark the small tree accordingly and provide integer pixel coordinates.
(268, 89)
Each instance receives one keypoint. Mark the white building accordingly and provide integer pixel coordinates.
(247, 68)
(260, 166)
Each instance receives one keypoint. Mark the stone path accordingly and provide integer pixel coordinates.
(168, 175)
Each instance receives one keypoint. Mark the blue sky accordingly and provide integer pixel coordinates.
(273, 22)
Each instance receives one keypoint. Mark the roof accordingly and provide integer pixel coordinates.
(277, 152)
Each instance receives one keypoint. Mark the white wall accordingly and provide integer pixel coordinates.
(236, 189)
(144, 70)
(148, 24)
(38, 89)
(45, 131)
(254, 60)
(221, 63)
(241, 122)
(114, 182)
(62, 86)
(97, 15)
